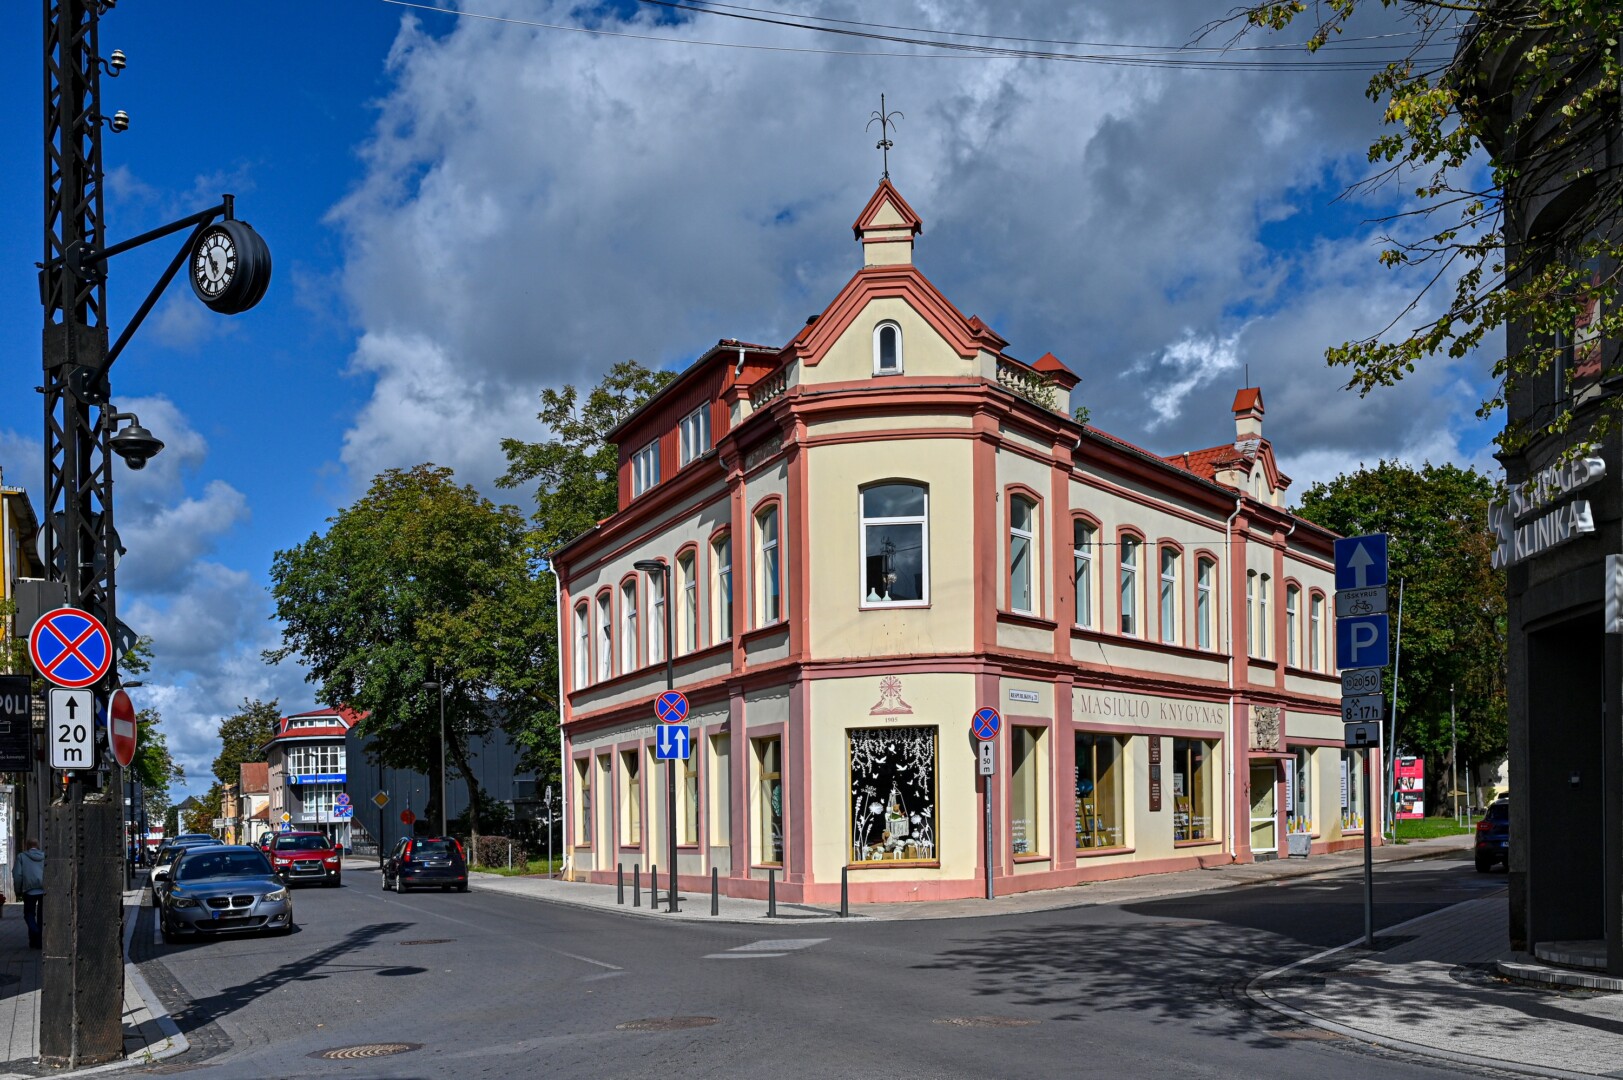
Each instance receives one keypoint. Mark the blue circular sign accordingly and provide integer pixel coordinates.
(985, 723)
(671, 707)
(70, 647)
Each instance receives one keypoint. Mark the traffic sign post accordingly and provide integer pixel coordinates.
(671, 707)
(1361, 644)
(984, 725)
(121, 728)
(673, 744)
(71, 715)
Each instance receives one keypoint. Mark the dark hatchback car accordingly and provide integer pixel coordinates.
(426, 862)
(1493, 837)
(223, 890)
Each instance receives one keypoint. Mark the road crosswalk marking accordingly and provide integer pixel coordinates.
(765, 950)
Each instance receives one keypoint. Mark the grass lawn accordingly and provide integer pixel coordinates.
(535, 866)
(1427, 828)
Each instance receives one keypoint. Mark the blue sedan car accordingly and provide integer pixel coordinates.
(1493, 837)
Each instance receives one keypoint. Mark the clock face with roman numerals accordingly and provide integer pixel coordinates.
(214, 263)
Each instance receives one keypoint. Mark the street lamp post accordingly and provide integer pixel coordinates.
(663, 569)
(439, 685)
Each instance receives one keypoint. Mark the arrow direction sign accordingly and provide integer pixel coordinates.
(1361, 561)
(72, 716)
(673, 744)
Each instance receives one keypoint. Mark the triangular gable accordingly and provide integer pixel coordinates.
(902, 216)
(903, 282)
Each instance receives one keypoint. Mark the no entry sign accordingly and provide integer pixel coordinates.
(121, 728)
(71, 648)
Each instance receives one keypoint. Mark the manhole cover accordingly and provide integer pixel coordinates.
(366, 1050)
(666, 1023)
(427, 941)
(988, 1021)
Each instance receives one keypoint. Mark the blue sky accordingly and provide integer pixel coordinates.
(463, 212)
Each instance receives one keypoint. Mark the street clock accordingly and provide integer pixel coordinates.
(230, 267)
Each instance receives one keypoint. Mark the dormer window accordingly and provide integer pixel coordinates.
(645, 468)
(887, 349)
(695, 433)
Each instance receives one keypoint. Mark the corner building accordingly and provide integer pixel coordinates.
(882, 526)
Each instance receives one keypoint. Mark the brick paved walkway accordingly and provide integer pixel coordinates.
(1429, 988)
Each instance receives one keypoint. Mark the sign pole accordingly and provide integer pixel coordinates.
(1369, 863)
(985, 725)
(990, 891)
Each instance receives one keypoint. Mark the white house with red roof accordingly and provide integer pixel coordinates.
(307, 770)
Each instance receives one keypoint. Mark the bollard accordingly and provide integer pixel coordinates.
(636, 885)
(653, 887)
(510, 854)
(845, 894)
(620, 883)
(715, 893)
(772, 893)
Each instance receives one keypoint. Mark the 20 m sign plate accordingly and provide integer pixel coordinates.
(72, 719)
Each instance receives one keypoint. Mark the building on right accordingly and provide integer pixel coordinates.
(1560, 532)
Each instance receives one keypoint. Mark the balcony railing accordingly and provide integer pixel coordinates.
(1035, 388)
(769, 388)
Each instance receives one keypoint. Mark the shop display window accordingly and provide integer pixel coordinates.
(687, 790)
(769, 808)
(583, 785)
(721, 790)
(631, 809)
(893, 794)
(1299, 792)
(1100, 770)
(1352, 791)
(1025, 779)
(1192, 765)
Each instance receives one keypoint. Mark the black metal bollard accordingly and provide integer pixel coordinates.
(845, 894)
(715, 892)
(636, 885)
(772, 893)
(619, 883)
(653, 887)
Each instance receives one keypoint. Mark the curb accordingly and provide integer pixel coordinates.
(1523, 970)
(486, 883)
(1255, 992)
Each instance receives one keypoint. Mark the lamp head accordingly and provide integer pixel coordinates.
(650, 566)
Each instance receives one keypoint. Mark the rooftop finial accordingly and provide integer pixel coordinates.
(886, 122)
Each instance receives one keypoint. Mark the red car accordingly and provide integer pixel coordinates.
(307, 856)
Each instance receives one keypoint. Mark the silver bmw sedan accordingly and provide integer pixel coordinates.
(223, 890)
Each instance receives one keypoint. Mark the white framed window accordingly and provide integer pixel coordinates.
(768, 606)
(895, 545)
(583, 645)
(1315, 633)
(1169, 595)
(1128, 579)
(628, 626)
(695, 432)
(645, 468)
(687, 620)
(887, 349)
(1251, 613)
(1082, 540)
(1265, 629)
(721, 599)
(605, 636)
(1293, 601)
(1205, 612)
(1022, 554)
(656, 618)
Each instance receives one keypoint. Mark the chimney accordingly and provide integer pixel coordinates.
(1247, 416)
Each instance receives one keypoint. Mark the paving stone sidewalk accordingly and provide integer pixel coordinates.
(1430, 988)
(148, 1035)
(696, 904)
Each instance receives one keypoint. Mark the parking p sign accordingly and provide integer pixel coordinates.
(1362, 642)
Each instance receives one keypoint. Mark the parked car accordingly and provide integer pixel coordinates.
(165, 857)
(1493, 836)
(307, 856)
(426, 862)
(223, 890)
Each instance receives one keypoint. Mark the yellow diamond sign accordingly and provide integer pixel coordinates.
(382, 799)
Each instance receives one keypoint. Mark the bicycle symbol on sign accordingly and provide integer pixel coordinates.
(1362, 607)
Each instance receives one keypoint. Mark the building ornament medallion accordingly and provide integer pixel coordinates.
(1265, 725)
(890, 701)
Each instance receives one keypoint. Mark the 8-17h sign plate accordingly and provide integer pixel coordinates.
(1365, 708)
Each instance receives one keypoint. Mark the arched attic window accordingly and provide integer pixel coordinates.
(887, 349)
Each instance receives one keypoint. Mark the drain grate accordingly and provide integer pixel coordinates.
(427, 941)
(988, 1021)
(666, 1023)
(365, 1050)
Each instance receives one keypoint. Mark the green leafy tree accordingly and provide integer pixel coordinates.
(1454, 622)
(574, 472)
(420, 580)
(1555, 82)
(243, 736)
(199, 817)
(152, 767)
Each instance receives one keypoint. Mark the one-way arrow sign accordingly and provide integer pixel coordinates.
(1361, 561)
(673, 743)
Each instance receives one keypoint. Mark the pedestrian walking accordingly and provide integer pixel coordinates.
(28, 878)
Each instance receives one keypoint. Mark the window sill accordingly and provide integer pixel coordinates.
(899, 864)
(1027, 618)
(1101, 852)
(766, 866)
(1032, 858)
(583, 847)
(777, 626)
(904, 605)
(1195, 843)
(687, 847)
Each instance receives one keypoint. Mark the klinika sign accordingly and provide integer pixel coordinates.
(1556, 525)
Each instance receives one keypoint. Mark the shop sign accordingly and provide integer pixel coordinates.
(1155, 773)
(1025, 695)
(1556, 525)
(1145, 711)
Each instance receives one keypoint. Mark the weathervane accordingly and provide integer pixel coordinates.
(886, 121)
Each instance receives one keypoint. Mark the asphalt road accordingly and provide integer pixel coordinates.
(485, 985)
